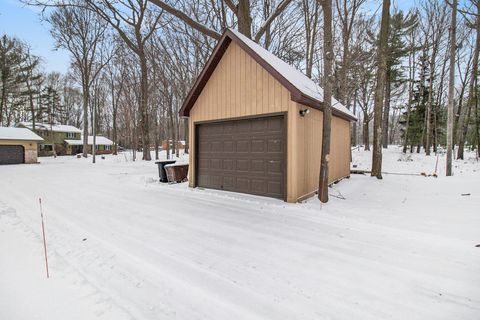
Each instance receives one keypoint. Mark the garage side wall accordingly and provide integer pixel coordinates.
(307, 150)
(30, 148)
(238, 87)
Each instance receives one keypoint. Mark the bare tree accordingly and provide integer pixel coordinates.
(379, 91)
(347, 11)
(242, 11)
(135, 22)
(451, 86)
(327, 99)
(472, 94)
(81, 32)
(311, 17)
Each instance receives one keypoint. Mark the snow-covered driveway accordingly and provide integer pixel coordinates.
(122, 246)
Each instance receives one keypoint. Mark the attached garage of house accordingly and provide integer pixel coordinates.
(255, 125)
(18, 145)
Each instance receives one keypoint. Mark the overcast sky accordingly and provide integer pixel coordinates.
(25, 24)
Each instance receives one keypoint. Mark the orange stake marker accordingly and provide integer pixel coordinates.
(44, 241)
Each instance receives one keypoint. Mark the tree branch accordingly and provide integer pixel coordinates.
(231, 5)
(185, 18)
(278, 10)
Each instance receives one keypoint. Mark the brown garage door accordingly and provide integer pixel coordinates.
(243, 156)
(11, 154)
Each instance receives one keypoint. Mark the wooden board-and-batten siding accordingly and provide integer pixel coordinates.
(240, 87)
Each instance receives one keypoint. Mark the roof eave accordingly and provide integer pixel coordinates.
(217, 54)
(204, 75)
(314, 103)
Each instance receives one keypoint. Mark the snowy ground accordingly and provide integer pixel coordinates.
(123, 246)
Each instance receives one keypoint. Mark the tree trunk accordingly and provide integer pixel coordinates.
(379, 90)
(32, 107)
(156, 137)
(386, 110)
(86, 98)
(411, 71)
(327, 99)
(354, 124)
(366, 132)
(114, 129)
(428, 118)
(471, 93)
(459, 114)
(144, 105)
(3, 102)
(244, 18)
(187, 137)
(477, 125)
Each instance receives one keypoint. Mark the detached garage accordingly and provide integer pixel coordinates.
(256, 125)
(18, 145)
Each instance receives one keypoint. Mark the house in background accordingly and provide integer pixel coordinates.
(53, 135)
(166, 143)
(103, 145)
(18, 145)
(255, 125)
(68, 140)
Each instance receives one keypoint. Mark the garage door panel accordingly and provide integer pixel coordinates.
(275, 167)
(259, 186)
(258, 166)
(242, 184)
(259, 125)
(228, 146)
(258, 145)
(216, 164)
(275, 145)
(216, 146)
(274, 126)
(228, 164)
(243, 156)
(242, 165)
(203, 163)
(228, 183)
(274, 187)
(11, 154)
(243, 146)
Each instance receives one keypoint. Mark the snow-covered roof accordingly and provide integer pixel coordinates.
(11, 133)
(54, 127)
(100, 140)
(294, 76)
(303, 89)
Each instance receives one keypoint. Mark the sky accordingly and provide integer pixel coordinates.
(24, 23)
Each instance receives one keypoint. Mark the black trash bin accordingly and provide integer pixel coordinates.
(161, 169)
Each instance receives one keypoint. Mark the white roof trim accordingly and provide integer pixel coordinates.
(48, 127)
(12, 133)
(99, 141)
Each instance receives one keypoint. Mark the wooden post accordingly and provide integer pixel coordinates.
(44, 240)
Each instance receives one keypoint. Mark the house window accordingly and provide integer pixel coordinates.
(46, 147)
(70, 134)
(108, 148)
(97, 147)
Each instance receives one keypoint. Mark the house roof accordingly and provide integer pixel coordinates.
(54, 127)
(11, 133)
(303, 89)
(100, 140)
